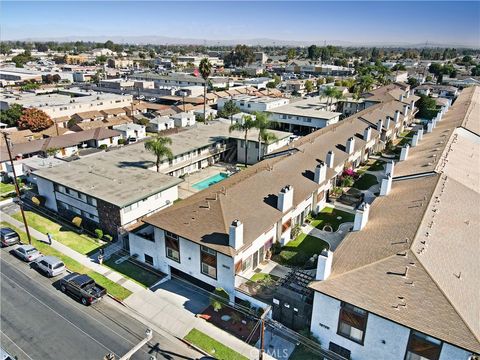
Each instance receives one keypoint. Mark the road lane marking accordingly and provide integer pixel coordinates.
(14, 343)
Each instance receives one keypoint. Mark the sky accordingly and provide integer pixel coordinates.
(446, 22)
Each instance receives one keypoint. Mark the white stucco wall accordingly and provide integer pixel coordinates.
(149, 205)
(384, 339)
(45, 189)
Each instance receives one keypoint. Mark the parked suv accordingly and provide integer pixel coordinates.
(50, 265)
(8, 236)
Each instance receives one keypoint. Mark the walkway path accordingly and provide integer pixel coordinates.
(171, 307)
(332, 238)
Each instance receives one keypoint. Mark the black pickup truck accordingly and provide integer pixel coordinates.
(82, 287)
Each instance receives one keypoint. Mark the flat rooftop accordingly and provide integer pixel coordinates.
(255, 99)
(311, 107)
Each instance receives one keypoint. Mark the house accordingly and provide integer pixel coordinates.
(87, 116)
(406, 288)
(131, 130)
(98, 190)
(105, 123)
(160, 123)
(443, 91)
(109, 113)
(398, 76)
(183, 119)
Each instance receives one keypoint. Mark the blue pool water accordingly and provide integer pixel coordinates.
(210, 181)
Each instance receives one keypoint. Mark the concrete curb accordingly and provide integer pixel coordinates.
(201, 351)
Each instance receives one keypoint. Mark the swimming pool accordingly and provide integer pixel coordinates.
(209, 181)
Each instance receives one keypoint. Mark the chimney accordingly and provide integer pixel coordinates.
(330, 158)
(405, 110)
(412, 105)
(350, 146)
(235, 235)
(320, 172)
(396, 117)
(361, 217)
(285, 199)
(324, 265)
(415, 140)
(367, 134)
(420, 134)
(379, 125)
(404, 152)
(387, 122)
(408, 93)
(430, 126)
(386, 186)
(400, 98)
(389, 168)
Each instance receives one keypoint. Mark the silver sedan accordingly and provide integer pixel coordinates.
(27, 252)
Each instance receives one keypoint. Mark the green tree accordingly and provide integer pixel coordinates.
(229, 109)
(11, 115)
(242, 55)
(159, 147)
(109, 45)
(205, 69)
(308, 86)
(141, 55)
(152, 54)
(413, 82)
(263, 124)
(100, 60)
(291, 53)
(245, 125)
(426, 107)
(331, 93)
(313, 52)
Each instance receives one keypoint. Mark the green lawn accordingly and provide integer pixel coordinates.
(212, 346)
(328, 216)
(264, 278)
(6, 188)
(132, 271)
(297, 252)
(365, 182)
(81, 243)
(113, 289)
(377, 166)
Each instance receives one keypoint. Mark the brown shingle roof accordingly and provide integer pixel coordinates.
(118, 120)
(88, 115)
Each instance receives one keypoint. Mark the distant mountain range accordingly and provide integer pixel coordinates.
(165, 40)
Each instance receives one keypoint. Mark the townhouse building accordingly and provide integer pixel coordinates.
(217, 235)
(249, 103)
(408, 289)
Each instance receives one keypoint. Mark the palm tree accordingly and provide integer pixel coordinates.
(338, 95)
(365, 83)
(329, 92)
(205, 69)
(247, 124)
(159, 147)
(263, 123)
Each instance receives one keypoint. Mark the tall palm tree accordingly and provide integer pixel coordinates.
(246, 125)
(329, 92)
(338, 95)
(205, 69)
(263, 123)
(159, 147)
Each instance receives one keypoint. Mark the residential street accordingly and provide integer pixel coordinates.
(37, 321)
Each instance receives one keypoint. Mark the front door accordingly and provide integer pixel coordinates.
(255, 260)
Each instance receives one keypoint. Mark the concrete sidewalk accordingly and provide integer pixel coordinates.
(171, 306)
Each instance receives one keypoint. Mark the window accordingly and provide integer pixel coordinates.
(339, 350)
(422, 347)
(208, 261)
(172, 246)
(247, 263)
(352, 323)
(92, 201)
(148, 259)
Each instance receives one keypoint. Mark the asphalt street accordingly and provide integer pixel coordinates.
(37, 321)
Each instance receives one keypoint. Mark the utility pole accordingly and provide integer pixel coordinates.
(262, 332)
(17, 189)
(128, 355)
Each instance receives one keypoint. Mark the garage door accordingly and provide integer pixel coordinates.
(180, 274)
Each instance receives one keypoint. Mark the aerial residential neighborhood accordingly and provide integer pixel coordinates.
(240, 180)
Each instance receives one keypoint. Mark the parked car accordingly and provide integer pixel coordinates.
(27, 252)
(9, 237)
(82, 287)
(50, 265)
(132, 140)
(153, 99)
(5, 355)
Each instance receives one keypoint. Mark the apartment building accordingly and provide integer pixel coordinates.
(216, 235)
(405, 286)
(248, 103)
(57, 105)
(181, 80)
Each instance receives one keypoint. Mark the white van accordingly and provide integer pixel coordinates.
(50, 265)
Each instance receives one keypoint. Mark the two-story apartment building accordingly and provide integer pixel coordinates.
(227, 229)
(406, 285)
(249, 104)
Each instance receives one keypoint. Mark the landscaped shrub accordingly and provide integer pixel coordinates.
(215, 301)
(347, 181)
(38, 200)
(108, 237)
(121, 141)
(296, 231)
(276, 248)
(99, 233)
(103, 146)
(77, 221)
